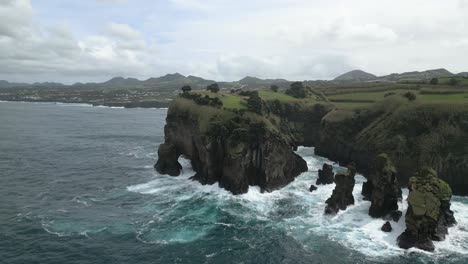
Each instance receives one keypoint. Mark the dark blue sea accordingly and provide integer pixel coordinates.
(77, 185)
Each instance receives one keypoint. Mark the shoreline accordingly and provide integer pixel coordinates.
(86, 104)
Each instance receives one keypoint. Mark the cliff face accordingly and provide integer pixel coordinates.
(413, 136)
(229, 148)
(237, 151)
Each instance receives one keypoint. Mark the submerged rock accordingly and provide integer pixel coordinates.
(312, 188)
(342, 195)
(382, 187)
(387, 227)
(325, 175)
(429, 215)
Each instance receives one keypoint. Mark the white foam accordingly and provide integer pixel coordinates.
(352, 228)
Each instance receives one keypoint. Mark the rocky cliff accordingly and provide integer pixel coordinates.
(412, 135)
(235, 150)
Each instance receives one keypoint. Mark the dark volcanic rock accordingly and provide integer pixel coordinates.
(396, 215)
(235, 151)
(312, 188)
(382, 188)
(387, 227)
(168, 160)
(325, 175)
(342, 195)
(429, 215)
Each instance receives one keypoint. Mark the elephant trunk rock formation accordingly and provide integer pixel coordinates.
(235, 150)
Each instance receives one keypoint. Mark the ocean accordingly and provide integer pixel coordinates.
(77, 185)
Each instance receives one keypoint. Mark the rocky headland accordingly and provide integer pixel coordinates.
(237, 150)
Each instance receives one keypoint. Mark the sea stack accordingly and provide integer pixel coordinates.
(382, 187)
(429, 215)
(342, 195)
(325, 175)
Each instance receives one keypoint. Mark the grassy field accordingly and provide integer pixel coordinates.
(461, 80)
(425, 95)
(442, 99)
(270, 95)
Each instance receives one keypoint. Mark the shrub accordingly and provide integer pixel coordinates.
(297, 90)
(434, 81)
(410, 96)
(214, 88)
(186, 88)
(453, 81)
(254, 103)
(203, 100)
(274, 88)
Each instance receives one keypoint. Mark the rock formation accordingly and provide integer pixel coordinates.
(312, 188)
(382, 187)
(325, 175)
(412, 135)
(429, 215)
(167, 163)
(387, 227)
(235, 150)
(342, 195)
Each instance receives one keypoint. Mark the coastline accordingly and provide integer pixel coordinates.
(111, 105)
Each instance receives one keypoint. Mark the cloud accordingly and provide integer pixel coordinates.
(15, 17)
(226, 40)
(112, 1)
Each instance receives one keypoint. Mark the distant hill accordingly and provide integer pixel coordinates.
(6, 84)
(255, 83)
(356, 76)
(362, 76)
(415, 75)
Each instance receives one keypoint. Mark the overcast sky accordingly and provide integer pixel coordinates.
(94, 40)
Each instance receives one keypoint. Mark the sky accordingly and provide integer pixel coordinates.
(94, 40)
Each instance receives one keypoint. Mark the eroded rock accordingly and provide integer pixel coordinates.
(382, 187)
(168, 160)
(342, 195)
(429, 215)
(325, 175)
(387, 227)
(235, 150)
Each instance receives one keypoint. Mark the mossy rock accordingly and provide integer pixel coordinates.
(427, 173)
(417, 202)
(424, 203)
(445, 192)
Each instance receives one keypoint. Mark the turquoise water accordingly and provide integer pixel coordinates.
(77, 186)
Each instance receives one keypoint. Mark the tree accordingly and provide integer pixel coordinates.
(410, 96)
(186, 88)
(296, 89)
(453, 81)
(434, 81)
(254, 103)
(214, 88)
(274, 88)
